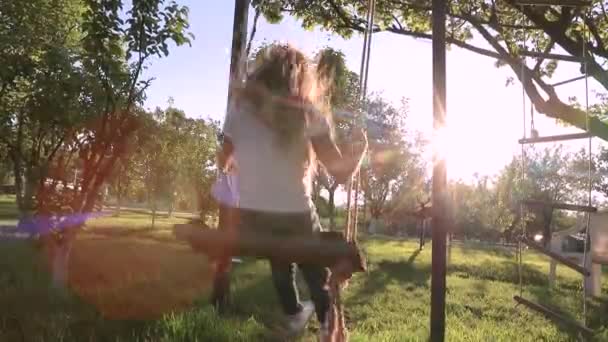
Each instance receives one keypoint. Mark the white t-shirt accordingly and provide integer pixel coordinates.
(271, 177)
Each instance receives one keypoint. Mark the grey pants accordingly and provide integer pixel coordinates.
(303, 224)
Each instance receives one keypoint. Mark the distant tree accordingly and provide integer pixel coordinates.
(394, 177)
(342, 96)
(5, 165)
(600, 168)
(551, 175)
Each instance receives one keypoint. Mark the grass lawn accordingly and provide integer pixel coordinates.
(8, 210)
(130, 287)
(136, 222)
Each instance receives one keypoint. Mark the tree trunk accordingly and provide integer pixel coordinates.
(332, 208)
(25, 200)
(31, 185)
(153, 213)
(119, 191)
(364, 218)
(171, 204)
(58, 252)
(17, 155)
(547, 220)
(18, 175)
(153, 210)
(373, 224)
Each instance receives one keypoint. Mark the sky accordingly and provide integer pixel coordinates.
(485, 116)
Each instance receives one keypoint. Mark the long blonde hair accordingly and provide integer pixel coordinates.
(283, 87)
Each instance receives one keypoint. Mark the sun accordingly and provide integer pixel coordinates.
(457, 145)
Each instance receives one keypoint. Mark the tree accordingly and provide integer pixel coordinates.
(508, 193)
(342, 95)
(198, 165)
(499, 24)
(40, 83)
(69, 97)
(153, 164)
(551, 175)
(600, 166)
(489, 216)
(5, 166)
(395, 174)
(122, 182)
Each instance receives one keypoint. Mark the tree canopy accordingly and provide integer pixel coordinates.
(499, 29)
(70, 88)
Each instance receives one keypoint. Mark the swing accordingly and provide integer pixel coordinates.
(339, 252)
(545, 206)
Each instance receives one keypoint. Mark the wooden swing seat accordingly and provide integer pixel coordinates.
(326, 249)
(559, 206)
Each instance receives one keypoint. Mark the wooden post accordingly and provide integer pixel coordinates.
(439, 187)
(239, 40)
(222, 266)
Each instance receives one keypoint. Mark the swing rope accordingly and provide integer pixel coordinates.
(336, 320)
(522, 211)
(589, 171)
(354, 185)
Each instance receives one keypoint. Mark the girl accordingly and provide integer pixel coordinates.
(275, 132)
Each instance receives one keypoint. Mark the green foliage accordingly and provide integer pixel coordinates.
(600, 168)
(70, 88)
(340, 84)
(394, 176)
(489, 209)
(480, 211)
(174, 161)
(500, 30)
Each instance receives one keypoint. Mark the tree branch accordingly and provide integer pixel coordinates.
(557, 32)
(540, 61)
(453, 41)
(348, 23)
(135, 76)
(253, 31)
(55, 149)
(594, 31)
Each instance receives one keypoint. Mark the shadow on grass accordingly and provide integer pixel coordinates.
(405, 273)
(468, 248)
(414, 255)
(507, 271)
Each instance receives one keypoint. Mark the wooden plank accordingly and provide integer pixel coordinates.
(554, 56)
(554, 316)
(561, 206)
(574, 79)
(557, 257)
(554, 138)
(326, 249)
(564, 3)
